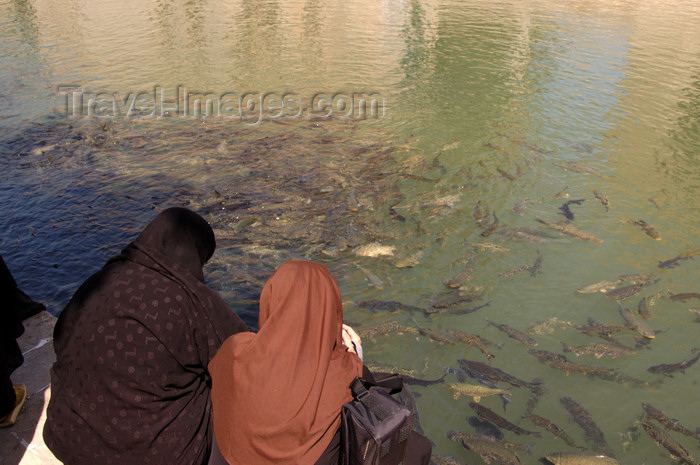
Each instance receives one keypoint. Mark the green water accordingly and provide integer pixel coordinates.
(496, 102)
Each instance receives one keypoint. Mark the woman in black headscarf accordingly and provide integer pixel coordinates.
(130, 382)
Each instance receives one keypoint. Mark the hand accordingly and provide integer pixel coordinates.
(350, 336)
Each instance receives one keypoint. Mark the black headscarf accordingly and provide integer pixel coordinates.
(130, 383)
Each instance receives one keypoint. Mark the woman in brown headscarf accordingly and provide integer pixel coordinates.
(130, 384)
(277, 394)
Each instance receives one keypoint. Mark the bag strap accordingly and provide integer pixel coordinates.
(360, 386)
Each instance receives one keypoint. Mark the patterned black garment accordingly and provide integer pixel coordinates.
(130, 383)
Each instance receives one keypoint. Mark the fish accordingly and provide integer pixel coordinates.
(595, 328)
(476, 391)
(638, 324)
(437, 336)
(457, 300)
(479, 214)
(391, 306)
(485, 428)
(667, 369)
(472, 340)
(394, 214)
(599, 350)
(674, 262)
(467, 436)
(625, 292)
(491, 228)
(374, 249)
(519, 207)
(489, 450)
(534, 237)
(684, 296)
(579, 168)
(505, 174)
(592, 433)
(637, 278)
(564, 193)
(380, 329)
(545, 356)
(535, 396)
(569, 230)
(454, 310)
(488, 414)
(653, 202)
(602, 286)
(566, 211)
(463, 277)
(662, 438)
(514, 333)
(535, 268)
(487, 246)
(673, 425)
(644, 306)
(513, 271)
(551, 427)
(548, 326)
(574, 458)
(603, 199)
(480, 370)
(695, 311)
(646, 228)
(375, 280)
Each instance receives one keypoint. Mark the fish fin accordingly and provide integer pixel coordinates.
(477, 399)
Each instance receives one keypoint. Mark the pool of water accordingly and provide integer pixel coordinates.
(368, 136)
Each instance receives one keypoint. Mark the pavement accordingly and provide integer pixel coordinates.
(23, 444)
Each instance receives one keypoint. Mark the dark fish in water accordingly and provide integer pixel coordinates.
(505, 174)
(481, 370)
(566, 211)
(574, 458)
(535, 268)
(551, 427)
(489, 450)
(644, 306)
(653, 202)
(388, 305)
(564, 193)
(457, 300)
(599, 350)
(648, 230)
(472, 340)
(462, 277)
(667, 369)
(662, 438)
(437, 336)
(395, 215)
(673, 262)
(673, 425)
(569, 230)
(454, 310)
(546, 356)
(491, 228)
(534, 237)
(603, 199)
(390, 327)
(635, 322)
(622, 293)
(496, 437)
(593, 434)
(595, 328)
(488, 414)
(514, 333)
(513, 272)
(535, 396)
(684, 296)
(480, 215)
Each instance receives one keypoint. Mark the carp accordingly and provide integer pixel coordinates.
(476, 391)
(662, 438)
(598, 350)
(573, 458)
(488, 414)
(667, 369)
(593, 434)
(514, 333)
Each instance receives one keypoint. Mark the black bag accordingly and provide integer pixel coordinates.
(375, 426)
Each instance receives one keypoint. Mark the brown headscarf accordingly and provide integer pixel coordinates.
(130, 382)
(277, 394)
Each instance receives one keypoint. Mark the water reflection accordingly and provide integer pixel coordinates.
(508, 106)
